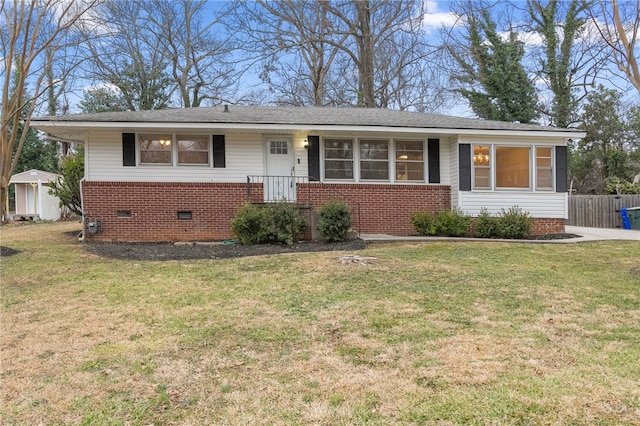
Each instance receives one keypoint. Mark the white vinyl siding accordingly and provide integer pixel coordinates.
(537, 204)
(244, 156)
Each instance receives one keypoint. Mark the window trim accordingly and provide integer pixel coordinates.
(529, 188)
(395, 161)
(361, 160)
(533, 169)
(357, 160)
(139, 149)
(552, 168)
(354, 163)
(175, 151)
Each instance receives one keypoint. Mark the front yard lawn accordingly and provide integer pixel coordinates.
(426, 333)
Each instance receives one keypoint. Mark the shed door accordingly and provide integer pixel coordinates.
(32, 200)
(279, 184)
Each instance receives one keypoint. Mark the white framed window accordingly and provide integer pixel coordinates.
(409, 160)
(193, 149)
(374, 159)
(155, 148)
(513, 167)
(481, 167)
(338, 158)
(544, 168)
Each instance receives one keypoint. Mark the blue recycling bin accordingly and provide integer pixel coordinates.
(633, 216)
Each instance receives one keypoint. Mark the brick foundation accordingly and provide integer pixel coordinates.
(548, 226)
(154, 207)
(154, 210)
(383, 209)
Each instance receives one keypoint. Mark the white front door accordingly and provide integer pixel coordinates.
(279, 184)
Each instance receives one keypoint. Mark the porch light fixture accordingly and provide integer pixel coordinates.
(165, 142)
(305, 144)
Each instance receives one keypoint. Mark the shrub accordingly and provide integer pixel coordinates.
(277, 223)
(485, 225)
(452, 223)
(514, 223)
(335, 220)
(424, 222)
(251, 224)
(286, 225)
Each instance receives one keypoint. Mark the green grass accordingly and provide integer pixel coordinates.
(431, 333)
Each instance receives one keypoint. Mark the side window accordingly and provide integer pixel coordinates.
(481, 167)
(544, 168)
(155, 149)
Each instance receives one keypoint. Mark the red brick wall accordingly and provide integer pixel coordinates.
(154, 207)
(548, 226)
(384, 208)
(154, 210)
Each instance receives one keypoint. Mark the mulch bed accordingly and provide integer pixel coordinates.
(7, 251)
(221, 250)
(171, 251)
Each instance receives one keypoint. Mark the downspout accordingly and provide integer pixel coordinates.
(81, 237)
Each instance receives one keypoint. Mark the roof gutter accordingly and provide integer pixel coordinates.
(85, 125)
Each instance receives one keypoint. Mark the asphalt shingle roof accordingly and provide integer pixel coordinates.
(300, 116)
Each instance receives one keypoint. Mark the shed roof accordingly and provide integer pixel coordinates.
(33, 176)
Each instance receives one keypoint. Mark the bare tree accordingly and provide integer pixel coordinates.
(123, 53)
(619, 25)
(32, 33)
(384, 43)
(369, 53)
(199, 60)
(291, 41)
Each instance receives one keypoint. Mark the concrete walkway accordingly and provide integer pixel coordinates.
(586, 234)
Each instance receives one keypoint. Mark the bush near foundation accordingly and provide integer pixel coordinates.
(273, 223)
(513, 223)
(335, 221)
(452, 223)
(485, 225)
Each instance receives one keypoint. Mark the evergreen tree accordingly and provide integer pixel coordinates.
(492, 77)
(102, 99)
(605, 154)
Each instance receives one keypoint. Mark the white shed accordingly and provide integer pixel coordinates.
(32, 196)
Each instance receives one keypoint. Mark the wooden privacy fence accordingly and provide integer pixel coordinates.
(599, 211)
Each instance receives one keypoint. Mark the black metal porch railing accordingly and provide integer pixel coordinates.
(269, 189)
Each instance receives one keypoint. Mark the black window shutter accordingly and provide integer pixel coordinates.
(128, 149)
(464, 160)
(219, 157)
(313, 157)
(562, 176)
(433, 152)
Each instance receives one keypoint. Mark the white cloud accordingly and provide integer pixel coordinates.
(434, 18)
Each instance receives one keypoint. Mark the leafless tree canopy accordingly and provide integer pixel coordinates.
(619, 25)
(35, 37)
